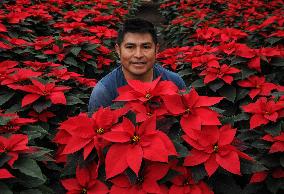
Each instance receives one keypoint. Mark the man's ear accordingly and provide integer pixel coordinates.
(117, 50)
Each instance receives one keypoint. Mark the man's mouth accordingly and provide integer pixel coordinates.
(138, 63)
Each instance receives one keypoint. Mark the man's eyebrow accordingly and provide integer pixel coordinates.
(143, 43)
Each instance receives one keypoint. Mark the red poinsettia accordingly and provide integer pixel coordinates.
(13, 146)
(43, 116)
(85, 181)
(146, 181)
(231, 34)
(261, 176)
(42, 41)
(224, 72)
(255, 55)
(19, 75)
(147, 109)
(86, 133)
(38, 89)
(5, 174)
(144, 91)
(63, 74)
(203, 61)
(133, 143)
(172, 56)
(184, 183)
(102, 61)
(212, 146)
(103, 31)
(194, 109)
(258, 85)
(263, 111)
(55, 51)
(278, 142)
(14, 123)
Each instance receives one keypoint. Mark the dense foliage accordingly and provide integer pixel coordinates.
(224, 134)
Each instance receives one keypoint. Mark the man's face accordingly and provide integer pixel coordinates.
(137, 54)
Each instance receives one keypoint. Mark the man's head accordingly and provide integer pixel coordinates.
(137, 48)
(137, 25)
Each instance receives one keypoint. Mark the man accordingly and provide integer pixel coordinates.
(136, 47)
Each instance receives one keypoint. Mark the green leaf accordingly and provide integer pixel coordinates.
(41, 56)
(91, 47)
(282, 161)
(252, 188)
(4, 120)
(5, 97)
(234, 118)
(131, 175)
(218, 110)
(226, 184)
(246, 72)
(71, 61)
(237, 60)
(181, 149)
(29, 167)
(29, 191)
(229, 92)
(241, 93)
(93, 63)
(273, 40)
(259, 144)
(274, 129)
(40, 106)
(215, 85)
(70, 167)
(34, 131)
(30, 182)
(185, 72)
(169, 176)
(41, 154)
(197, 83)
(75, 50)
(198, 173)
(4, 158)
(249, 167)
(275, 185)
(72, 100)
(5, 189)
(278, 62)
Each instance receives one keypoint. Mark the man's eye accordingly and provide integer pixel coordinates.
(147, 47)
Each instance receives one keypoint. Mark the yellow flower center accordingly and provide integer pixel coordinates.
(148, 96)
(187, 110)
(215, 148)
(135, 138)
(100, 130)
(186, 182)
(149, 114)
(84, 191)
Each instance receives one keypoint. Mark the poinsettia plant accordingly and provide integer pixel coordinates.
(223, 134)
(52, 54)
(129, 151)
(233, 50)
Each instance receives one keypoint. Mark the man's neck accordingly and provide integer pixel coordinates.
(144, 78)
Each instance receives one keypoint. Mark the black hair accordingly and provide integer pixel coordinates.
(137, 25)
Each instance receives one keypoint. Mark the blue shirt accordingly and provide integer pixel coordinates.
(106, 89)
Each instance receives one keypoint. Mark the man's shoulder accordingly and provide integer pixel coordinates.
(112, 77)
(170, 75)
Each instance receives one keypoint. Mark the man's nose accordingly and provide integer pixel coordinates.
(138, 52)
